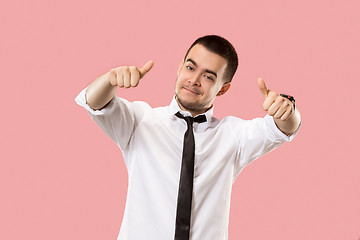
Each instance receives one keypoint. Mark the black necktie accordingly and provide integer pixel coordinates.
(183, 212)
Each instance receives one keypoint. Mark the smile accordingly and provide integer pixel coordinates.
(192, 91)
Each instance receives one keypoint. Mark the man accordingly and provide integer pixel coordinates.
(162, 203)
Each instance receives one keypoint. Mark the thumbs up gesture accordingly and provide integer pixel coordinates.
(276, 105)
(128, 76)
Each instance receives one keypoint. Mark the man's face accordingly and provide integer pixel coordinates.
(200, 80)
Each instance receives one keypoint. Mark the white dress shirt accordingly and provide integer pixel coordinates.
(151, 140)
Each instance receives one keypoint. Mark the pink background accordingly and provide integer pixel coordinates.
(61, 177)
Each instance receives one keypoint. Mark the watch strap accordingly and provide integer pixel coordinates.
(291, 98)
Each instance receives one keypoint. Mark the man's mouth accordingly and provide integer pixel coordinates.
(193, 91)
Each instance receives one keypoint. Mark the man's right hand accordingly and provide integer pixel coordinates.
(128, 76)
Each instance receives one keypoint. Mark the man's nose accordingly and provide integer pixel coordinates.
(195, 79)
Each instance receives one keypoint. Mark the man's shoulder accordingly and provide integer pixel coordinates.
(238, 122)
(233, 119)
(133, 103)
(227, 121)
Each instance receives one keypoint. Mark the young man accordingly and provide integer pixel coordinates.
(182, 161)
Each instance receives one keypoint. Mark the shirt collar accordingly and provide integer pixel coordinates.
(174, 108)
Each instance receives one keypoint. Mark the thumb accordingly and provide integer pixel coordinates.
(146, 68)
(264, 90)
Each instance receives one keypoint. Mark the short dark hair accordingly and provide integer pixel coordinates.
(222, 47)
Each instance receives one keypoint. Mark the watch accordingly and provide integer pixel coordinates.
(291, 98)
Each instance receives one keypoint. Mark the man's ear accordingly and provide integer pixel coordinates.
(224, 88)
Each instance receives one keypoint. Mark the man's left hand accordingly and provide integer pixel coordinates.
(276, 105)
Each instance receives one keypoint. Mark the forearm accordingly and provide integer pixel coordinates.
(103, 89)
(100, 92)
(291, 124)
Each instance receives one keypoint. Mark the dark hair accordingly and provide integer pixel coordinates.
(222, 47)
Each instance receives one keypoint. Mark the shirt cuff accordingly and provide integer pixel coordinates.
(276, 132)
(81, 100)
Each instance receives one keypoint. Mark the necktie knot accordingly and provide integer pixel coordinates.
(190, 120)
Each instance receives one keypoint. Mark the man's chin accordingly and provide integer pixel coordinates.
(187, 104)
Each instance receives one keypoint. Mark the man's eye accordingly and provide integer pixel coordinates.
(209, 77)
(190, 68)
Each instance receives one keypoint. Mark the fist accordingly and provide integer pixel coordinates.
(276, 105)
(128, 76)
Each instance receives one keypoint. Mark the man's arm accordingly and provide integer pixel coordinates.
(100, 92)
(291, 124)
(103, 89)
(286, 116)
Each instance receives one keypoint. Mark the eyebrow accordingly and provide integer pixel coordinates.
(206, 70)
